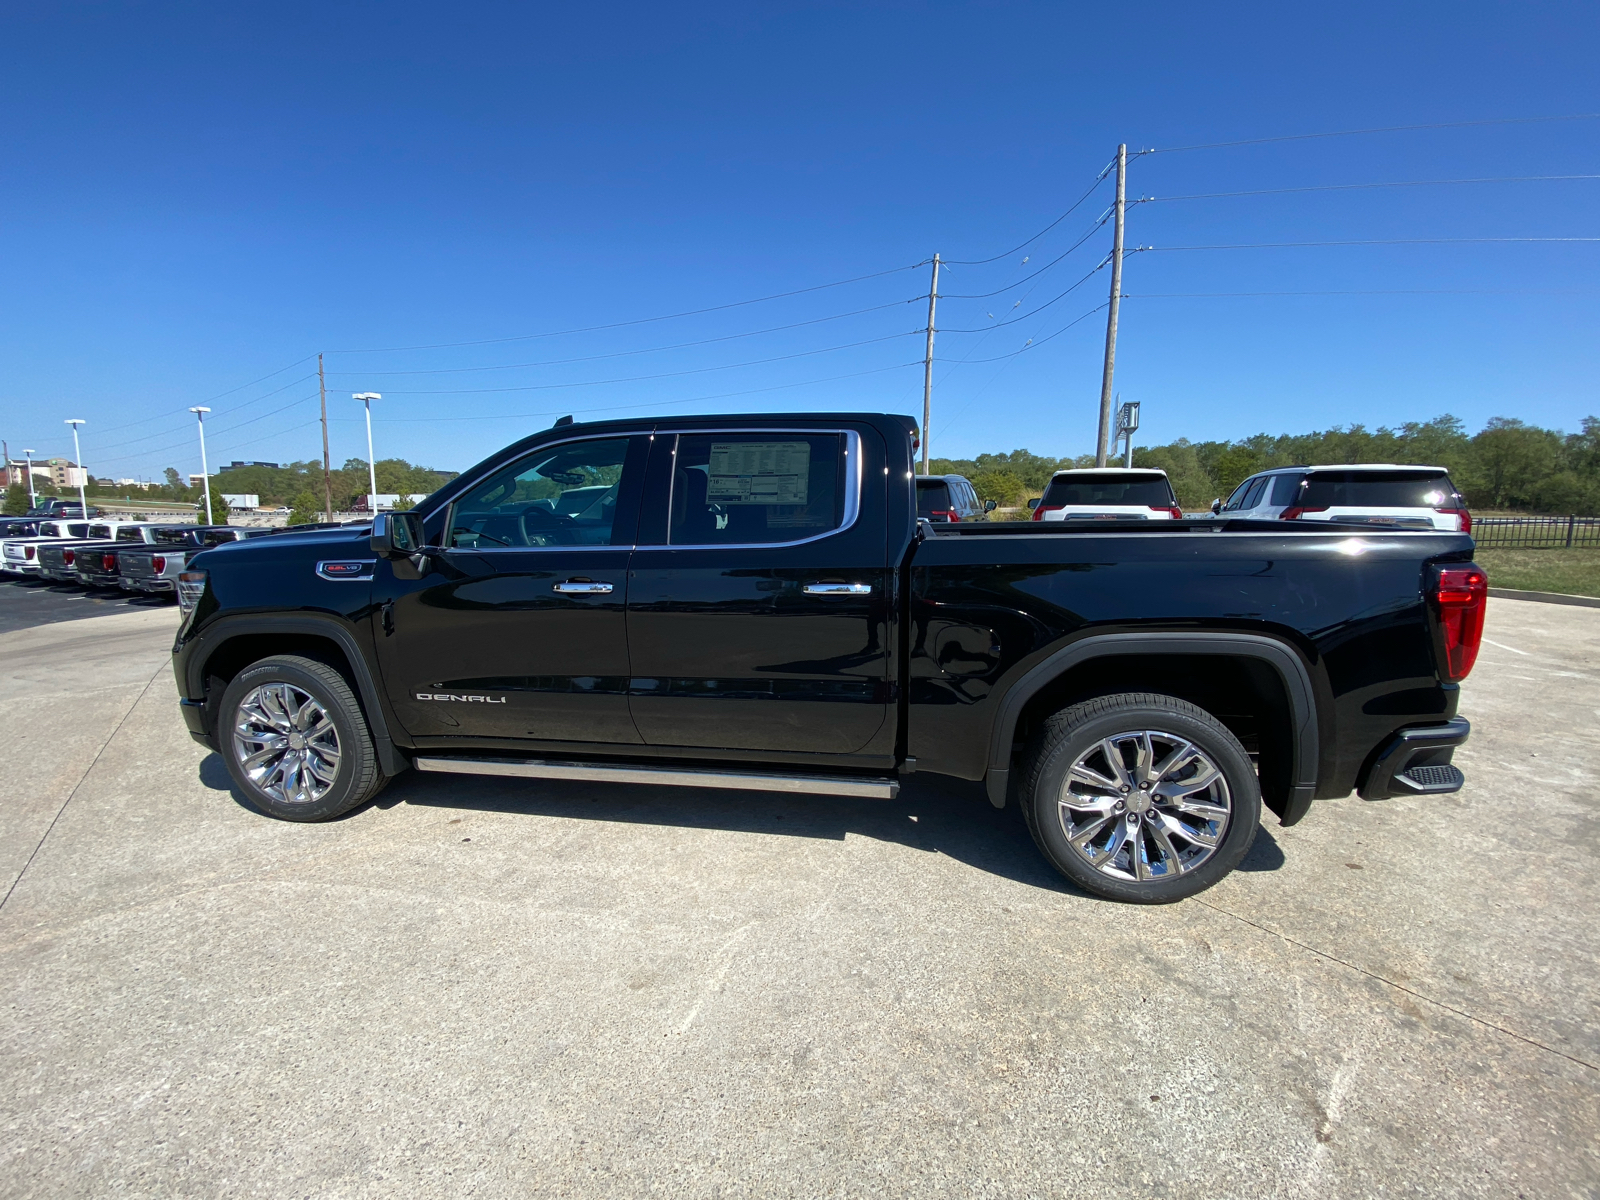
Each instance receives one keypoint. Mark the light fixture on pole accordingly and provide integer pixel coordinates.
(33, 496)
(205, 472)
(366, 399)
(82, 475)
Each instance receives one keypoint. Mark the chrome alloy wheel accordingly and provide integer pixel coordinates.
(1145, 806)
(286, 743)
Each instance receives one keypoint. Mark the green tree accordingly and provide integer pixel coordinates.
(1190, 480)
(306, 510)
(1001, 486)
(16, 500)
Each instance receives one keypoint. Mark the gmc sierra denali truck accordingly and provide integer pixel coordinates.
(752, 603)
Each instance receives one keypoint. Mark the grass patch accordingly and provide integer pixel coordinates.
(1571, 572)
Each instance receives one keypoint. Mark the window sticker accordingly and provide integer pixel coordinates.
(759, 472)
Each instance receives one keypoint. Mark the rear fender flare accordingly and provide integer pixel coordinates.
(226, 629)
(1290, 668)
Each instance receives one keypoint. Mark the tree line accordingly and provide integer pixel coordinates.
(1509, 464)
(298, 485)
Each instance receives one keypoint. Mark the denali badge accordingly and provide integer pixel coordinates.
(463, 699)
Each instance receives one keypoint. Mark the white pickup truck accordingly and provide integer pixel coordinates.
(20, 555)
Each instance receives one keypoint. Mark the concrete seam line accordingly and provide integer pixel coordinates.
(1401, 987)
(87, 772)
(1545, 597)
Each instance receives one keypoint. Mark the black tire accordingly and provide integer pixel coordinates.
(320, 792)
(1082, 730)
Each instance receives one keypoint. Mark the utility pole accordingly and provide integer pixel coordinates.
(33, 496)
(1111, 315)
(82, 473)
(327, 466)
(927, 368)
(366, 399)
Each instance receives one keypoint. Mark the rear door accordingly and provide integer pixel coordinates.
(759, 597)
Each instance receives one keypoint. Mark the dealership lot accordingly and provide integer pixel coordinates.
(481, 986)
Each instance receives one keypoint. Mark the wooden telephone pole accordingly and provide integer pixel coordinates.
(327, 466)
(1111, 315)
(927, 368)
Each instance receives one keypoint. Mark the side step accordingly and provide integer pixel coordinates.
(533, 768)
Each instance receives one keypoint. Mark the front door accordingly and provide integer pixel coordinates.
(759, 596)
(515, 628)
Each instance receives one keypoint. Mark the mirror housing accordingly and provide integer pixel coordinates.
(1034, 503)
(396, 534)
(1216, 506)
(990, 505)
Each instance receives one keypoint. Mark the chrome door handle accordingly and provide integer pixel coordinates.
(582, 587)
(837, 589)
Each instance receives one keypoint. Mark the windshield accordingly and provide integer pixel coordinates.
(1144, 491)
(1379, 489)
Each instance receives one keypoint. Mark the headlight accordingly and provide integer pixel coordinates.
(191, 586)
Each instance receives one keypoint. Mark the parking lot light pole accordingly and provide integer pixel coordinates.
(366, 399)
(205, 473)
(33, 496)
(77, 453)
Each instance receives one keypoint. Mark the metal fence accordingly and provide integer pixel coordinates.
(1536, 532)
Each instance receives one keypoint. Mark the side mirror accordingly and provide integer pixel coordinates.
(990, 505)
(1033, 504)
(1216, 506)
(396, 534)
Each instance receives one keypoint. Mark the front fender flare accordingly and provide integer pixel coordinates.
(200, 649)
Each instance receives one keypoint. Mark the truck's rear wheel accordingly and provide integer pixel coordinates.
(296, 741)
(1140, 797)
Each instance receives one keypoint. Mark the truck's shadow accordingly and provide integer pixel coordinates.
(935, 814)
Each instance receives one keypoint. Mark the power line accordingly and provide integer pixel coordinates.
(985, 295)
(211, 399)
(1353, 187)
(650, 404)
(557, 362)
(1299, 137)
(542, 387)
(1040, 309)
(1375, 242)
(220, 430)
(978, 262)
(1035, 343)
(640, 320)
(1370, 292)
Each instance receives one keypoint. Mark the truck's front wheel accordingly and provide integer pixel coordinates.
(1140, 797)
(295, 740)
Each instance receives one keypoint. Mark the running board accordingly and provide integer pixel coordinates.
(533, 768)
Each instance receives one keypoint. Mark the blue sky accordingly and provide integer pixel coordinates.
(196, 196)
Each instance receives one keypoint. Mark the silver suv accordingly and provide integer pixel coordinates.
(950, 498)
(1389, 494)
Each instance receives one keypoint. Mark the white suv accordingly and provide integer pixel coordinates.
(1108, 494)
(1388, 494)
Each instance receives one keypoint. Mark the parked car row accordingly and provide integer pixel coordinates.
(133, 556)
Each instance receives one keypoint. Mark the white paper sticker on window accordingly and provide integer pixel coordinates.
(759, 472)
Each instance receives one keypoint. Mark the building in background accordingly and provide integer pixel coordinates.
(236, 464)
(52, 471)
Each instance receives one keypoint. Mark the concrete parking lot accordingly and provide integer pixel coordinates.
(486, 987)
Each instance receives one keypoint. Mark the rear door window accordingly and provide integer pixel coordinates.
(1142, 491)
(1379, 489)
(756, 488)
(1285, 490)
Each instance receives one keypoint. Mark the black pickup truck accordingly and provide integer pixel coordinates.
(752, 603)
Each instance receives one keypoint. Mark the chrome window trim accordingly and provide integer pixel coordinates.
(852, 490)
(450, 509)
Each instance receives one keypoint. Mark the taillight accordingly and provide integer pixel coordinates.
(1294, 514)
(1038, 513)
(1172, 510)
(943, 514)
(160, 564)
(108, 562)
(68, 555)
(28, 551)
(191, 586)
(1462, 594)
(1462, 514)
